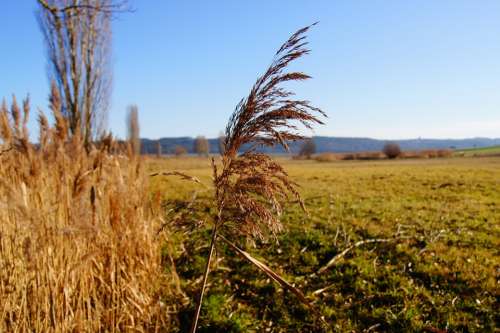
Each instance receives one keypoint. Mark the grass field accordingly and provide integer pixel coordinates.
(480, 151)
(442, 274)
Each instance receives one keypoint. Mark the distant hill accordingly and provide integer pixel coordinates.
(332, 144)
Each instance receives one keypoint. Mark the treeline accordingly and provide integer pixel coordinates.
(365, 156)
(186, 145)
(324, 145)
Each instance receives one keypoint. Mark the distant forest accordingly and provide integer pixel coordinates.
(328, 144)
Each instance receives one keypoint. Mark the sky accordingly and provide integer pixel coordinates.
(382, 69)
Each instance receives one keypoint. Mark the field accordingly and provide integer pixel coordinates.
(96, 235)
(433, 265)
(480, 151)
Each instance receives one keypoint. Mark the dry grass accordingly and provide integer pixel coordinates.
(78, 238)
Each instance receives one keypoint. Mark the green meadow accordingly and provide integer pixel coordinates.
(480, 151)
(432, 264)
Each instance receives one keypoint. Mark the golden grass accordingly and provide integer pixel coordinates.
(78, 245)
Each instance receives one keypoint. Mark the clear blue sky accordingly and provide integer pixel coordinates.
(383, 69)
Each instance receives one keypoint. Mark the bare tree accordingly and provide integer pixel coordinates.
(158, 148)
(133, 130)
(308, 148)
(391, 150)
(78, 42)
(201, 146)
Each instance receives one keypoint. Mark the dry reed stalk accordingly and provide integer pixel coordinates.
(79, 249)
(250, 186)
(341, 255)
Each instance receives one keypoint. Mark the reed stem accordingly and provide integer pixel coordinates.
(205, 278)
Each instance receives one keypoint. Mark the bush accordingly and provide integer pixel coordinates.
(375, 155)
(180, 150)
(391, 150)
(327, 157)
(411, 154)
(429, 153)
(348, 157)
(444, 153)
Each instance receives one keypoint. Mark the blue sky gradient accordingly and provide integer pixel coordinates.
(382, 69)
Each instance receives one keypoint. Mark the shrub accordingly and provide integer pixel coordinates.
(444, 153)
(326, 157)
(370, 155)
(411, 154)
(179, 150)
(348, 157)
(391, 150)
(429, 153)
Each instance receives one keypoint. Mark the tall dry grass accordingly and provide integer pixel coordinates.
(79, 250)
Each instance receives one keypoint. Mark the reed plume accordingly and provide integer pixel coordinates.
(250, 186)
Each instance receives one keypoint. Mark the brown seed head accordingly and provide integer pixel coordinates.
(251, 186)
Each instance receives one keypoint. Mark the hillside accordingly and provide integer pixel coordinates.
(334, 144)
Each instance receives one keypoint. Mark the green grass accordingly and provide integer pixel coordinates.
(479, 151)
(446, 276)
